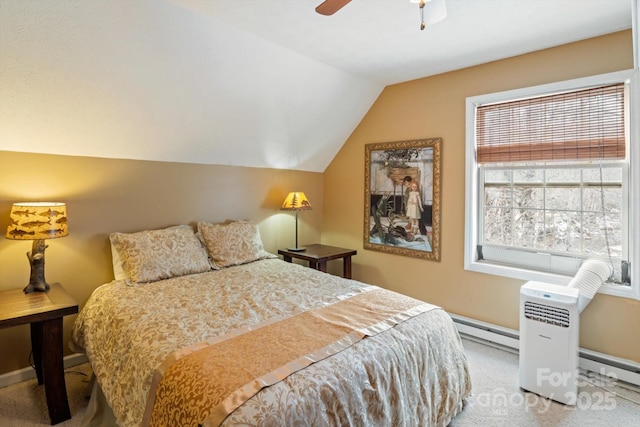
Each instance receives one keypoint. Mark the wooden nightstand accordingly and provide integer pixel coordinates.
(318, 255)
(44, 311)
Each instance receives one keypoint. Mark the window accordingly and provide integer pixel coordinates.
(550, 171)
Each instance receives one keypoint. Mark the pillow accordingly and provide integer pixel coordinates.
(119, 272)
(233, 243)
(151, 255)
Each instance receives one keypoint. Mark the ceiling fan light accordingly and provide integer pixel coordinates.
(432, 13)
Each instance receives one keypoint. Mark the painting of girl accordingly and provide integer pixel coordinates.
(414, 208)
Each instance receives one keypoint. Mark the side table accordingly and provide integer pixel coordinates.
(44, 311)
(318, 255)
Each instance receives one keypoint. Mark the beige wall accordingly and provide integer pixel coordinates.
(104, 195)
(435, 107)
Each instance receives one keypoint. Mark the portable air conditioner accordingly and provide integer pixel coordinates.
(549, 329)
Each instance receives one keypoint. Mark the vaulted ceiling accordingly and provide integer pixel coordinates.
(259, 83)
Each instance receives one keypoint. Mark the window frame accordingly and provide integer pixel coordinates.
(473, 191)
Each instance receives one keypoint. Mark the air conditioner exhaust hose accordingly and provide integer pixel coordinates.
(590, 276)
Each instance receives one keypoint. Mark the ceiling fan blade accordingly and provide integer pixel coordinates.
(329, 7)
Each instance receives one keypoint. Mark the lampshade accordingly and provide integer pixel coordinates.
(296, 201)
(37, 220)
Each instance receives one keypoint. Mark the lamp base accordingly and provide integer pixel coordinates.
(36, 287)
(302, 249)
(37, 282)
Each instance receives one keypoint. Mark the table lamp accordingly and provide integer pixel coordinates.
(37, 221)
(296, 201)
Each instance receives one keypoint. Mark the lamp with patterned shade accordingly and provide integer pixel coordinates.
(37, 221)
(296, 201)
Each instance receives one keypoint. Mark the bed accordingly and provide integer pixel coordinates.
(209, 329)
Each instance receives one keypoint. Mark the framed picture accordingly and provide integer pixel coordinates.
(402, 198)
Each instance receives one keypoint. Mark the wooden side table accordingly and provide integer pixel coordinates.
(318, 255)
(44, 311)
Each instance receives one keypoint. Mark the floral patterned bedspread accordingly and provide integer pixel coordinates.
(413, 374)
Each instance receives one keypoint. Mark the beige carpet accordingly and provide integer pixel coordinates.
(24, 404)
(496, 401)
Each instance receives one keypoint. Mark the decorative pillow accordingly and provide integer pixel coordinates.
(153, 255)
(233, 243)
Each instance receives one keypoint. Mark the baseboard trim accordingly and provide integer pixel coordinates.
(604, 364)
(28, 373)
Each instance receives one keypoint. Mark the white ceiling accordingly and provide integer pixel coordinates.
(381, 40)
(259, 83)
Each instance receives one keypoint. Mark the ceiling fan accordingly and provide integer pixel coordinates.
(329, 7)
(437, 13)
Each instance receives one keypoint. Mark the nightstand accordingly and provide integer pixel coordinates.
(44, 311)
(318, 255)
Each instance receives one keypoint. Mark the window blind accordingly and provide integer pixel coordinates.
(583, 124)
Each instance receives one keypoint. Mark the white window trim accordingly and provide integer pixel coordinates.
(471, 262)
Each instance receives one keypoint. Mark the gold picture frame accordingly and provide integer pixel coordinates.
(402, 198)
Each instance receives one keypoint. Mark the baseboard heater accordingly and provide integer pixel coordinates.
(622, 369)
